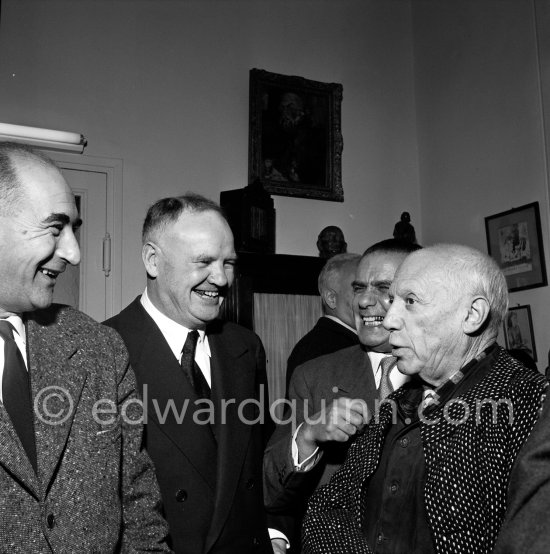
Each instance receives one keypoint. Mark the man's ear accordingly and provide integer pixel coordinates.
(150, 257)
(478, 313)
(329, 298)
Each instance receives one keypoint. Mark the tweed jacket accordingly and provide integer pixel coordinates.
(96, 489)
(210, 476)
(467, 465)
(327, 336)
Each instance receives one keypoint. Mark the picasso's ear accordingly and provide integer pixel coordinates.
(477, 315)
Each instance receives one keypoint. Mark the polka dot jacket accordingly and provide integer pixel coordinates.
(470, 445)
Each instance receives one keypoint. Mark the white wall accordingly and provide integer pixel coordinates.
(441, 113)
(163, 85)
(480, 125)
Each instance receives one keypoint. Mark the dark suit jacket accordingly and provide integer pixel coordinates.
(211, 487)
(96, 490)
(326, 337)
(526, 525)
(314, 385)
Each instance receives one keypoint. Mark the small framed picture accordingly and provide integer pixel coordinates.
(514, 240)
(518, 330)
(295, 136)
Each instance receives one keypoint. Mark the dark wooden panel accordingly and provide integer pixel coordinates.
(269, 273)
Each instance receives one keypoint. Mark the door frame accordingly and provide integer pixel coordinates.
(113, 170)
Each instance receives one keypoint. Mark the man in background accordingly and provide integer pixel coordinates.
(203, 380)
(336, 328)
(333, 395)
(73, 474)
(430, 473)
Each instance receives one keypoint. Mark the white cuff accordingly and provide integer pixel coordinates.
(310, 462)
(274, 534)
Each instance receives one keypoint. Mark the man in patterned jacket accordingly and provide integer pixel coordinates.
(431, 470)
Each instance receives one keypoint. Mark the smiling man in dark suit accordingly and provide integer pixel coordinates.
(199, 376)
(73, 474)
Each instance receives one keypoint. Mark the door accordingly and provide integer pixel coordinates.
(94, 286)
(84, 286)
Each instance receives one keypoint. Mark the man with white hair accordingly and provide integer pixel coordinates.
(458, 425)
(335, 329)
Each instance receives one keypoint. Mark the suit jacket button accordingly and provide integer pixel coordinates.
(250, 484)
(50, 520)
(181, 495)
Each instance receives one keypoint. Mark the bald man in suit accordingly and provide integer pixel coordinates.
(73, 472)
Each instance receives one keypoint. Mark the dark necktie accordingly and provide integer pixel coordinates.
(16, 392)
(386, 387)
(190, 367)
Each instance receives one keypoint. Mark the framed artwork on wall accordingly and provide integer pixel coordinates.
(518, 330)
(295, 137)
(514, 240)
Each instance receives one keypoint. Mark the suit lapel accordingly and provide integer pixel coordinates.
(357, 380)
(232, 379)
(13, 456)
(171, 401)
(58, 374)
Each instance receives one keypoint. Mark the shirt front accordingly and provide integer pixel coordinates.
(21, 341)
(176, 335)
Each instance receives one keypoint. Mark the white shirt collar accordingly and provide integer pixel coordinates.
(396, 377)
(375, 359)
(20, 339)
(18, 325)
(334, 318)
(174, 333)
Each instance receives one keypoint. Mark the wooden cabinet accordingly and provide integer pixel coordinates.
(271, 274)
(276, 296)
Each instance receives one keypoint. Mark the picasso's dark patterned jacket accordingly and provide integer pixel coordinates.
(467, 466)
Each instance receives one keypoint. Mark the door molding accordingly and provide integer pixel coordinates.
(113, 169)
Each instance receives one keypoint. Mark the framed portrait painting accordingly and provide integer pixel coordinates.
(514, 240)
(295, 138)
(518, 330)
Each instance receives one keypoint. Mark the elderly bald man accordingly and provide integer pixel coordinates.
(435, 478)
